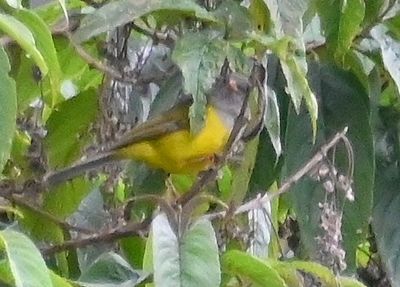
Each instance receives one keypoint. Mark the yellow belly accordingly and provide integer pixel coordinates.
(180, 152)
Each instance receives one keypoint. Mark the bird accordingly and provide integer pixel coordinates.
(166, 142)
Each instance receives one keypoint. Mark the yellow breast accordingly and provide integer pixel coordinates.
(181, 152)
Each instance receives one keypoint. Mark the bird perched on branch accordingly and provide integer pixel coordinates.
(166, 142)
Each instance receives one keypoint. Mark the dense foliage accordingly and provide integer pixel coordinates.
(311, 199)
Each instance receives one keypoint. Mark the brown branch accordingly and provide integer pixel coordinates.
(99, 65)
(130, 229)
(292, 180)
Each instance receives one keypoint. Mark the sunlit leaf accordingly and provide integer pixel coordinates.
(21, 34)
(26, 262)
(324, 274)
(45, 45)
(260, 273)
(188, 261)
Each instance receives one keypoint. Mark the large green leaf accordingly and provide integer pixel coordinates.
(21, 34)
(8, 109)
(344, 102)
(191, 260)
(118, 13)
(45, 45)
(26, 263)
(69, 123)
(200, 57)
(238, 263)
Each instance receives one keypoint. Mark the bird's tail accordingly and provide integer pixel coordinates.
(57, 177)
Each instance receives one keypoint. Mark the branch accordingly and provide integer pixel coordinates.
(99, 65)
(292, 180)
(130, 229)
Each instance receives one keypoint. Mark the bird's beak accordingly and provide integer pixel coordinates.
(233, 85)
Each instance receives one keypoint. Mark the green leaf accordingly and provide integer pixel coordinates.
(109, 269)
(109, 16)
(27, 87)
(351, 16)
(65, 199)
(260, 15)
(235, 18)
(289, 274)
(329, 13)
(200, 56)
(350, 282)
(133, 249)
(373, 8)
(238, 263)
(305, 195)
(63, 6)
(242, 172)
(6, 275)
(287, 17)
(45, 45)
(68, 123)
(298, 88)
(324, 274)
(272, 121)
(266, 170)
(59, 281)
(8, 109)
(390, 52)
(191, 260)
(393, 24)
(341, 21)
(21, 34)
(26, 262)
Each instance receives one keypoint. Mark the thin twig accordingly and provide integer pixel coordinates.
(292, 180)
(99, 65)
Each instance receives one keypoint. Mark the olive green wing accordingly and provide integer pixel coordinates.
(170, 121)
